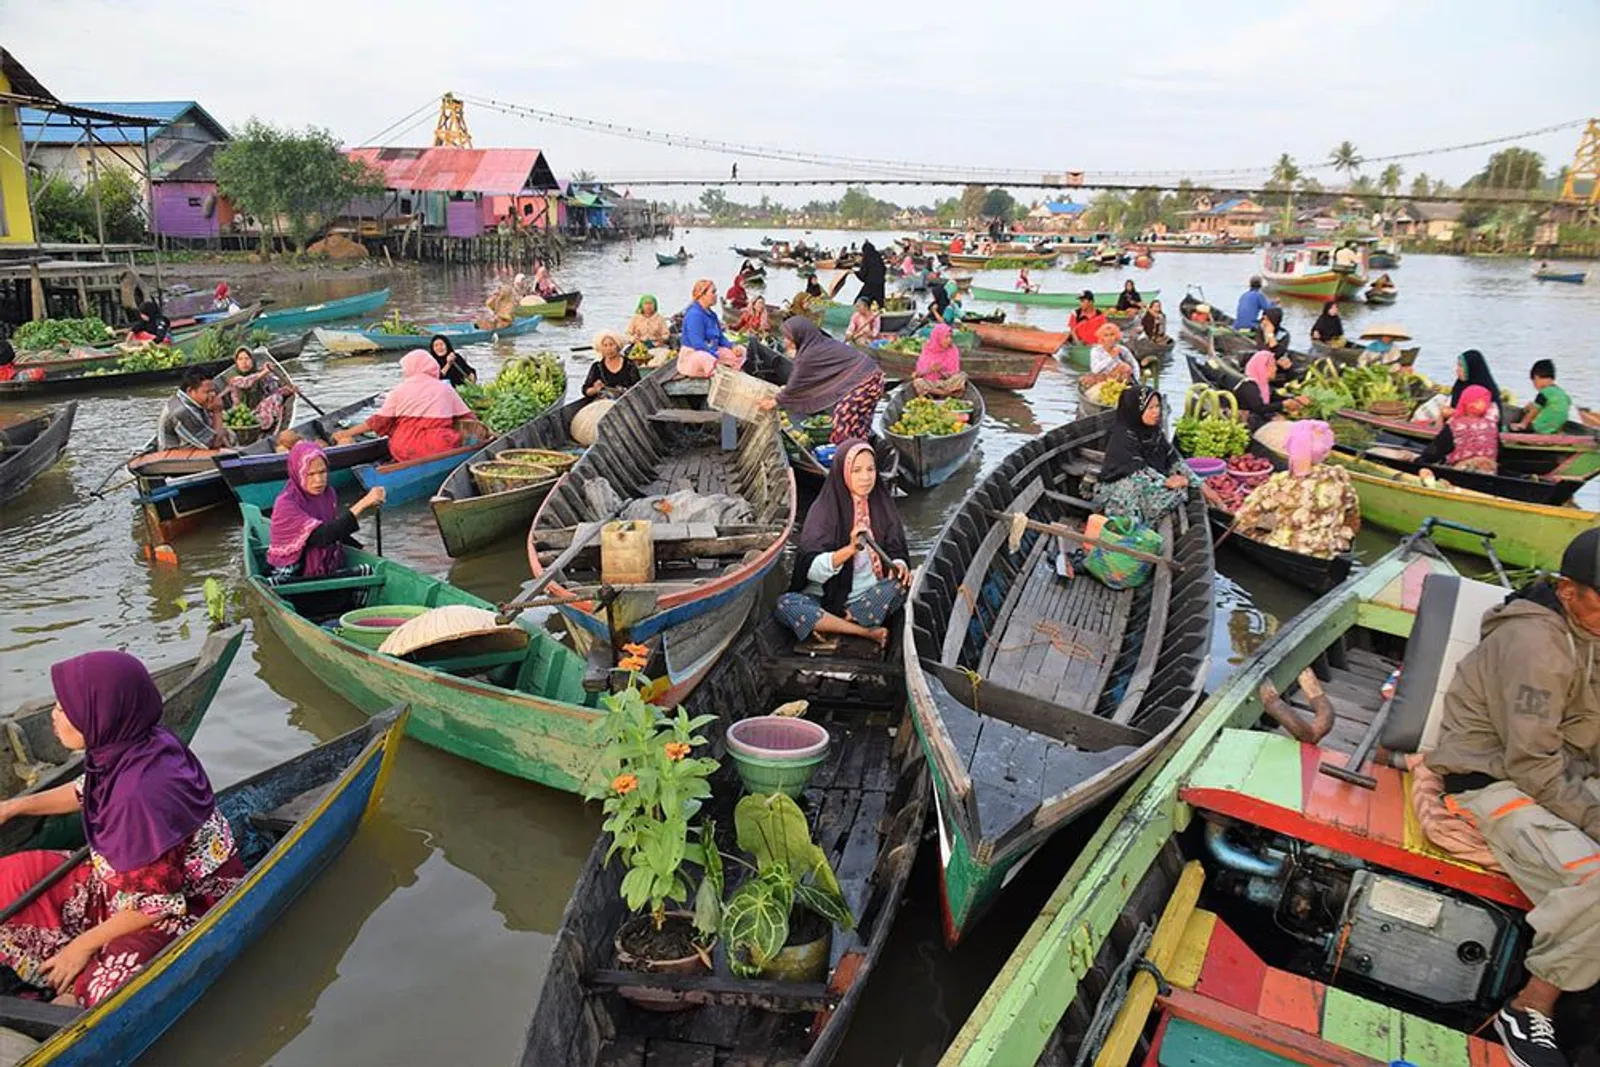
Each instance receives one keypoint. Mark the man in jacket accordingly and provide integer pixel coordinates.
(1519, 752)
(1251, 306)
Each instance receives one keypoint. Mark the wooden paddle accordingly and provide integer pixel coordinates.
(585, 533)
(39, 888)
(1085, 539)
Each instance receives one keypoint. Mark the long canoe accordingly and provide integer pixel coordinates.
(1573, 277)
(100, 375)
(1553, 489)
(1026, 259)
(837, 317)
(1003, 657)
(1053, 300)
(868, 802)
(925, 460)
(1140, 869)
(1574, 454)
(659, 438)
(1312, 285)
(671, 261)
(37, 761)
(28, 449)
(348, 307)
(556, 306)
(105, 354)
(1314, 573)
(256, 474)
(983, 366)
(468, 519)
(1020, 338)
(524, 712)
(356, 342)
(289, 823)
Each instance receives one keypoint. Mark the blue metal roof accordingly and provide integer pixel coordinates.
(166, 112)
(1069, 208)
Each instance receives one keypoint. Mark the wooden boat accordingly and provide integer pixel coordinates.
(107, 353)
(348, 307)
(256, 474)
(1551, 489)
(1028, 259)
(659, 437)
(461, 334)
(983, 366)
(1297, 568)
(670, 261)
(523, 711)
(1104, 301)
(407, 481)
(1020, 338)
(556, 306)
(468, 519)
(29, 448)
(37, 761)
(289, 822)
(927, 461)
(868, 802)
(1147, 351)
(1574, 277)
(1075, 354)
(1218, 335)
(836, 316)
(1575, 452)
(1079, 685)
(179, 487)
(1087, 405)
(99, 376)
(1251, 787)
(1307, 271)
(1386, 295)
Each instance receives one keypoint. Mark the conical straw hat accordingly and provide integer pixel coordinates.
(468, 630)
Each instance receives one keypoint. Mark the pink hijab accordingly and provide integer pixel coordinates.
(296, 515)
(421, 394)
(1259, 370)
(1475, 401)
(940, 357)
(1308, 443)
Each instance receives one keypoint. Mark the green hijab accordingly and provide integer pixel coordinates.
(638, 309)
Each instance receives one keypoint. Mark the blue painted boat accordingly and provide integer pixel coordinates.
(290, 821)
(416, 479)
(1574, 277)
(358, 342)
(349, 307)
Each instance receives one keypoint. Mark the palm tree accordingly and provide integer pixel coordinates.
(1285, 172)
(1389, 180)
(1345, 158)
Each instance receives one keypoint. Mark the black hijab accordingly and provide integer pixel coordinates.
(1133, 445)
(830, 520)
(8, 354)
(1478, 373)
(1328, 326)
(151, 321)
(813, 287)
(460, 372)
(1130, 296)
(872, 273)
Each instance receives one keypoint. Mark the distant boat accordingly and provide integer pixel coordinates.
(1575, 277)
(349, 307)
(671, 261)
(353, 342)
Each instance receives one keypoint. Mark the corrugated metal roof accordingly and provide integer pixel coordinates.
(166, 112)
(1059, 208)
(22, 82)
(468, 170)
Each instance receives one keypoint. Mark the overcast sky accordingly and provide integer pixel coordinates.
(1126, 87)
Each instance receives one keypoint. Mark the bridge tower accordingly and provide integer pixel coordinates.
(452, 127)
(1585, 168)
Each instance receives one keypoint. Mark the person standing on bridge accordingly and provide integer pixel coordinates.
(736, 172)
(1251, 305)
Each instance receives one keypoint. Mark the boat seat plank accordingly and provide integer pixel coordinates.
(282, 819)
(307, 586)
(687, 387)
(1053, 721)
(687, 416)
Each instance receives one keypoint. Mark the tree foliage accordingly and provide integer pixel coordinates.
(1510, 168)
(999, 204)
(1345, 158)
(299, 177)
(66, 211)
(859, 206)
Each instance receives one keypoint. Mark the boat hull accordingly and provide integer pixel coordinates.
(1075, 354)
(1019, 338)
(1318, 285)
(413, 480)
(1000, 370)
(1104, 301)
(1576, 454)
(1307, 572)
(1575, 277)
(358, 342)
(927, 461)
(350, 307)
(39, 443)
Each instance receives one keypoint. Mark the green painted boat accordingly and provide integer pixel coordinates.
(836, 316)
(1140, 868)
(340, 310)
(524, 712)
(1075, 354)
(1053, 300)
(545, 309)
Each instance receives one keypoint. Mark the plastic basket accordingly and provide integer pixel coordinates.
(738, 394)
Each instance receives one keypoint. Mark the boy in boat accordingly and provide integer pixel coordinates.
(1519, 753)
(193, 417)
(1551, 405)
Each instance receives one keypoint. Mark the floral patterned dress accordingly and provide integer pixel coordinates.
(175, 890)
(1316, 514)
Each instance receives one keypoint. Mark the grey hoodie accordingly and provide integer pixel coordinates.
(1524, 707)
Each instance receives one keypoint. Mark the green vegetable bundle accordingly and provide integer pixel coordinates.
(395, 326)
(1206, 429)
(526, 388)
(240, 417)
(151, 357)
(52, 333)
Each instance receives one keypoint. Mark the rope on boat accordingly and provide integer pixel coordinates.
(1115, 992)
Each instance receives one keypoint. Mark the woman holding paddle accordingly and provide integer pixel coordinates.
(159, 856)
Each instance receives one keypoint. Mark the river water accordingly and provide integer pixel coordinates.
(426, 941)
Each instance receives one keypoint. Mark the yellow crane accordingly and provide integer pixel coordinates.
(452, 128)
(1585, 168)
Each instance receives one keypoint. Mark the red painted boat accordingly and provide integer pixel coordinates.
(1019, 338)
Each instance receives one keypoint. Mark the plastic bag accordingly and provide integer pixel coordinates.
(1118, 569)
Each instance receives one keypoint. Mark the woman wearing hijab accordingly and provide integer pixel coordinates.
(865, 324)
(612, 374)
(939, 370)
(831, 376)
(453, 366)
(1471, 438)
(1154, 323)
(1472, 369)
(1255, 395)
(736, 297)
(648, 326)
(1311, 508)
(543, 283)
(418, 416)
(1129, 299)
(309, 528)
(149, 325)
(756, 320)
(9, 369)
(1110, 358)
(1270, 334)
(160, 853)
(814, 287)
(840, 585)
(705, 346)
(873, 274)
(256, 388)
(1143, 477)
(1329, 327)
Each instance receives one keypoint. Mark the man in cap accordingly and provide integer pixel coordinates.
(1251, 305)
(1086, 320)
(1519, 752)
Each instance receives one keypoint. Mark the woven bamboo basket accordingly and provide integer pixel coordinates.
(543, 457)
(494, 476)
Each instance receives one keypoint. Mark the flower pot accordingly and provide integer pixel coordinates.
(776, 754)
(806, 961)
(641, 926)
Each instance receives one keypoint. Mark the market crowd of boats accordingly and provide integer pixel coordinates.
(772, 699)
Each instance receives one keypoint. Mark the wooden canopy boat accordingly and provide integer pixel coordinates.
(289, 822)
(927, 461)
(468, 519)
(357, 342)
(1104, 301)
(655, 442)
(29, 448)
(1313, 573)
(38, 761)
(1020, 338)
(983, 366)
(1079, 685)
(867, 804)
(1250, 787)
(1574, 453)
(1573, 277)
(671, 261)
(523, 711)
(347, 307)
(1307, 271)
(256, 474)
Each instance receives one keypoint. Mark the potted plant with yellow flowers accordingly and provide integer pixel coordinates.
(652, 788)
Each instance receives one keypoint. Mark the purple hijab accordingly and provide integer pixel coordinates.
(824, 369)
(296, 514)
(144, 792)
